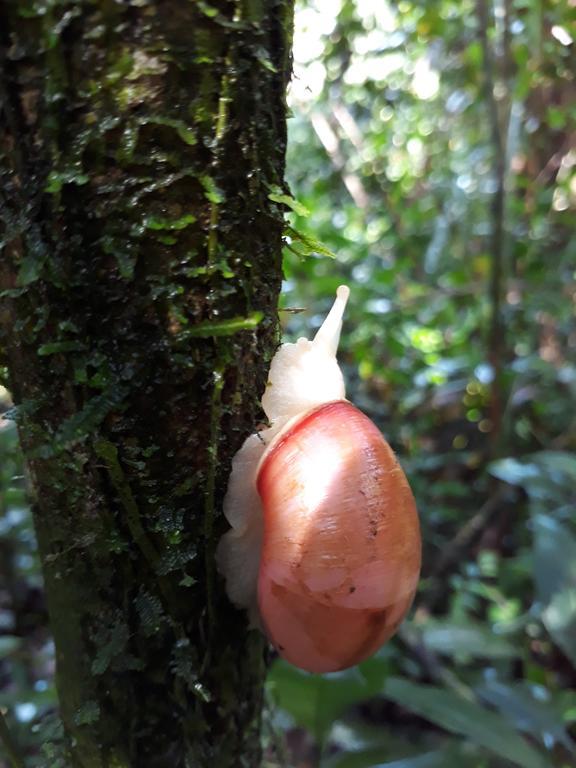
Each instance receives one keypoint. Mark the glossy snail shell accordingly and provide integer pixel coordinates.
(324, 550)
(341, 550)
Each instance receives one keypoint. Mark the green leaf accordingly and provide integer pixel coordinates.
(306, 245)
(150, 612)
(56, 180)
(207, 10)
(88, 713)
(211, 191)
(556, 117)
(113, 641)
(380, 758)
(175, 559)
(287, 200)
(534, 715)
(513, 471)
(265, 61)
(561, 464)
(555, 576)
(543, 475)
(187, 135)
(158, 223)
(31, 268)
(183, 130)
(554, 557)
(83, 423)
(316, 701)
(8, 645)
(559, 618)
(467, 718)
(470, 639)
(57, 347)
(223, 327)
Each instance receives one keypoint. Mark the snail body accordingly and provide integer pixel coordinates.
(324, 550)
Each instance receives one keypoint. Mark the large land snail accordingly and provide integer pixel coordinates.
(324, 550)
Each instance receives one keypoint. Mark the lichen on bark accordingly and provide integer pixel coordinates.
(140, 269)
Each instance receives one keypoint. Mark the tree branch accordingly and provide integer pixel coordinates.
(496, 331)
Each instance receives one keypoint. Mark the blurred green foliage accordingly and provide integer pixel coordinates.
(432, 145)
(432, 150)
(27, 696)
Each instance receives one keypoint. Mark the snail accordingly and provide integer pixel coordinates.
(324, 548)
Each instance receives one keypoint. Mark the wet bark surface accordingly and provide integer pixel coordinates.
(140, 269)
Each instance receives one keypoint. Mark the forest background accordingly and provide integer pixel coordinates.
(432, 163)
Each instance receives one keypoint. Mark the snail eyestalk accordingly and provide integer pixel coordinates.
(328, 334)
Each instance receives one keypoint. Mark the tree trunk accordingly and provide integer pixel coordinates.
(141, 265)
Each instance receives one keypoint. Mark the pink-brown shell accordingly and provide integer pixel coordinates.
(341, 549)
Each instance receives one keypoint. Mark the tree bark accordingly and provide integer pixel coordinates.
(141, 265)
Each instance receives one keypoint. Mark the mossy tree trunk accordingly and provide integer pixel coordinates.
(141, 264)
